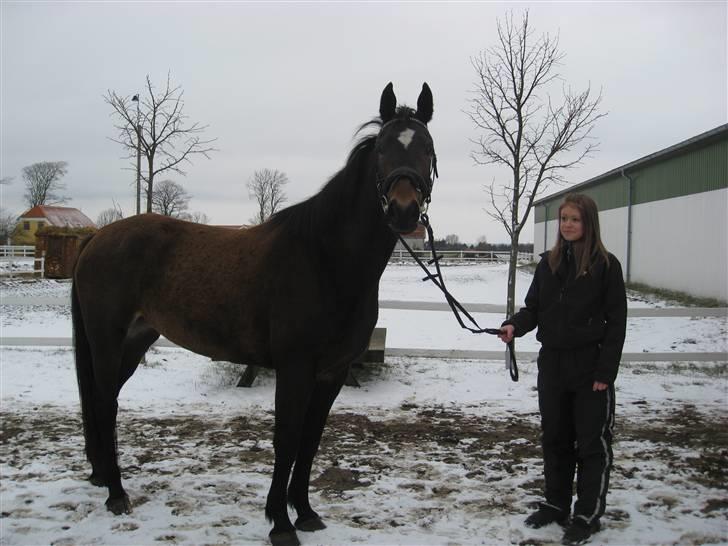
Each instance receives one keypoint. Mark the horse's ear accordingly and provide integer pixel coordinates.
(388, 103)
(424, 104)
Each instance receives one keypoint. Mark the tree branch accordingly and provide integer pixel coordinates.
(165, 137)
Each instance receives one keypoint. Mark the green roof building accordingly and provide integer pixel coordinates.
(665, 216)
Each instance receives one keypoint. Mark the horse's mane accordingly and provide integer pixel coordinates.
(309, 217)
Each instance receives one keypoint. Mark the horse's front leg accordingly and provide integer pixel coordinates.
(323, 398)
(294, 386)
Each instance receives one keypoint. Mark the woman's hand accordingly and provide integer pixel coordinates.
(598, 386)
(506, 335)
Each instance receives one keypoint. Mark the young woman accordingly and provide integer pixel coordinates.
(578, 302)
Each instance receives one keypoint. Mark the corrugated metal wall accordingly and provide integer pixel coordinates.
(695, 171)
(705, 169)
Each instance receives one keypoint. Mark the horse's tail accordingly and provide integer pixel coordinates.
(84, 368)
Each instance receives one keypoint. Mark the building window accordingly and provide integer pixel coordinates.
(26, 226)
(41, 224)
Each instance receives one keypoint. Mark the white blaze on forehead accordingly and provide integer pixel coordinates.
(405, 137)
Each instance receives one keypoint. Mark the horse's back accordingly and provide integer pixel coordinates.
(197, 285)
(156, 249)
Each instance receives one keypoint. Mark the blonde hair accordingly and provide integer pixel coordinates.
(592, 248)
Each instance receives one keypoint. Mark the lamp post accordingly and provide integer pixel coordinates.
(135, 98)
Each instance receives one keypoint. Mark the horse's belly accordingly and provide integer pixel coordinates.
(225, 354)
(239, 345)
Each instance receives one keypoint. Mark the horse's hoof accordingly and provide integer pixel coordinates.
(285, 538)
(119, 505)
(310, 524)
(96, 480)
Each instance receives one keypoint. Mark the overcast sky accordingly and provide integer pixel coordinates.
(285, 85)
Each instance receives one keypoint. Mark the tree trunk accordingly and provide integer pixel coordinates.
(515, 233)
(512, 268)
(150, 185)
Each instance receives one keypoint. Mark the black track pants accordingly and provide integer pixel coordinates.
(576, 424)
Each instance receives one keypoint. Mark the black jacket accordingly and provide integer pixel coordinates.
(572, 313)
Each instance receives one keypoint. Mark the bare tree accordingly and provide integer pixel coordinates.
(43, 181)
(170, 199)
(161, 129)
(523, 129)
(8, 222)
(266, 187)
(109, 216)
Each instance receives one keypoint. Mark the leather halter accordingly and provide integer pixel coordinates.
(422, 185)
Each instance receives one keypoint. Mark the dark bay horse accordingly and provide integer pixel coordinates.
(298, 294)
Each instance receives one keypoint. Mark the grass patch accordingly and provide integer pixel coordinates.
(674, 296)
(688, 369)
(225, 373)
(229, 373)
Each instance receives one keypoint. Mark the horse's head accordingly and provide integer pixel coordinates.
(405, 159)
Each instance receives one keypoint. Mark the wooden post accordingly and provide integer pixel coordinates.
(249, 375)
(374, 354)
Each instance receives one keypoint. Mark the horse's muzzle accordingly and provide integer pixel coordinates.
(403, 208)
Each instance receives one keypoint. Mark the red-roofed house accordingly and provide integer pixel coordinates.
(41, 215)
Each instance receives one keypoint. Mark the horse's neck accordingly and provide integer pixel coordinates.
(360, 241)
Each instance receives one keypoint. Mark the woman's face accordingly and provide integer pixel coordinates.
(570, 224)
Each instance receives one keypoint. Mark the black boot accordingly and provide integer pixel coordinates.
(545, 515)
(579, 532)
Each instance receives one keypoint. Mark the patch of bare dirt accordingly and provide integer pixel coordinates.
(422, 446)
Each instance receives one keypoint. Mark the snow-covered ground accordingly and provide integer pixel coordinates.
(426, 452)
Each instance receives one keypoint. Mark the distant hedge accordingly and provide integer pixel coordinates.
(65, 231)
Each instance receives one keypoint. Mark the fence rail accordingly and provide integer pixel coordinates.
(632, 312)
(11, 256)
(475, 256)
(523, 356)
(17, 251)
(12, 252)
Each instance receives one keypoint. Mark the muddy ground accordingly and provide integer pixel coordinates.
(357, 454)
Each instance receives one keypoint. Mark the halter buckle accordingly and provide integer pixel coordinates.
(384, 202)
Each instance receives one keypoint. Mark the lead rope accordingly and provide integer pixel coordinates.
(454, 304)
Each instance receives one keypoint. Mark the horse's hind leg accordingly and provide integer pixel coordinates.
(139, 338)
(136, 343)
(115, 358)
(318, 411)
(106, 350)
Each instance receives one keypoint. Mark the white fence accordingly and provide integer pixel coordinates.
(17, 251)
(16, 254)
(461, 256)
(523, 356)
(20, 260)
